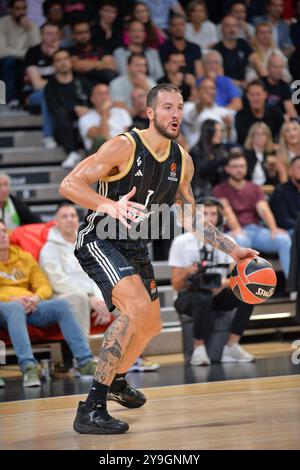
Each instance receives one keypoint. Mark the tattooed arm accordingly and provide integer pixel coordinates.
(192, 219)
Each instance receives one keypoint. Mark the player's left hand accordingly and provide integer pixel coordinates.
(239, 253)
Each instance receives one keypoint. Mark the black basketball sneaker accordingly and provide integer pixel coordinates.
(128, 397)
(93, 418)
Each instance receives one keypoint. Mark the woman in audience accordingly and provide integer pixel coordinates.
(289, 147)
(260, 155)
(199, 29)
(209, 156)
(262, 43)
(155, 37)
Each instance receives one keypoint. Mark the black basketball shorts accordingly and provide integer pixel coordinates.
(107, 262)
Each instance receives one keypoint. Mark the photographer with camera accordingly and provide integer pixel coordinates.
(199, 275)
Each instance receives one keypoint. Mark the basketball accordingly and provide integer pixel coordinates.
(253, 280)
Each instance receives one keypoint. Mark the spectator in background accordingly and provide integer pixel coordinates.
(295, 27)
(256, 109)
(209, 157)
(65, 274)
(245, 207)
(39, 69)
(278, 91)
(289, 147)
(17, 35)
(155, 37)
(67, 100)
(199, 30)
(285, 201)
(260, 155)
(24, 300)
(35, 11)
(140, 118)
(280, 29)
(13, 211)
(121, 87)
(227, 93)
(239, 11)
(54, 13)
(161, 9)
(92, 62)
(75, 9)
(137, 44)
(175, 68)
(104, 121)
(236, 53)
(177, 43)
(106, 32)
(204, 108)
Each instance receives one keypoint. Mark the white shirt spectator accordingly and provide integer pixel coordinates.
(121, 88)
(193, 120)
(205, 38)
(119, 121)
(155, 69)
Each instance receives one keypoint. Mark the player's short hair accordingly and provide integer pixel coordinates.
(152, 95)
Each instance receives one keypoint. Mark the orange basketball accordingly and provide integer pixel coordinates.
(253, 280)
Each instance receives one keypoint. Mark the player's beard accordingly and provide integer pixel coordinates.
(164, 131)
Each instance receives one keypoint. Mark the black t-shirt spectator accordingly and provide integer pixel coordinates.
(277, 94)
(191, 52)
(285, 204)
(35, 56)
(96, 53)
(184, 87)
(235, 60)
(273, 117)
(67, 95)
(99, 38)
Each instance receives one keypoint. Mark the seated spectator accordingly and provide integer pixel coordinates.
(209, 157)
(199, 30)
(260, 155)
(256, 109)
(121, 87)
(262, 43)
(155, 37)
(227, 93)
(66, 276)
(239, 11)
(75, 9)
(13, 211)
(137, 44)
(106, 32)
(204, 108)
(24, 300)
(175, 68)
(245, 208)
(288, 148)
(237, 53)
(54, 13)
(280, 28)
(178, 43)
(17, 35)
(185, 254)
(67, 100)
(104, 121)
(295, 27)
(35, 11)
(90, 61)
(279, 92)
(160, 11)
(140, 118)
(39, 69)
(285, 201)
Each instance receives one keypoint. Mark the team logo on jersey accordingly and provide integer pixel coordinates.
(139, 161)
(173, 172)
(152, 286)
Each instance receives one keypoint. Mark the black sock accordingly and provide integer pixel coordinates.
(118, 383)
(98, 392)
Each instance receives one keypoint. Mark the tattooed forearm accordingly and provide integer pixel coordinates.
(115, 343)
(217, 238)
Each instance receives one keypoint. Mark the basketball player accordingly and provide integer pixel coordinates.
(133, 171)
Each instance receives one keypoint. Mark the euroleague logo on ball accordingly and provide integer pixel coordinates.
(253, 280)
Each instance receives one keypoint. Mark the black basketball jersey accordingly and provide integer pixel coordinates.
(157, 181)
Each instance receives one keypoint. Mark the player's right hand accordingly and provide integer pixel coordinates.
(124, 209)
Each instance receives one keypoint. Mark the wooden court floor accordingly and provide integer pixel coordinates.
(259, 413)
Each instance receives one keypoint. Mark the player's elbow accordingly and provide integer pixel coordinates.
(64, 188)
